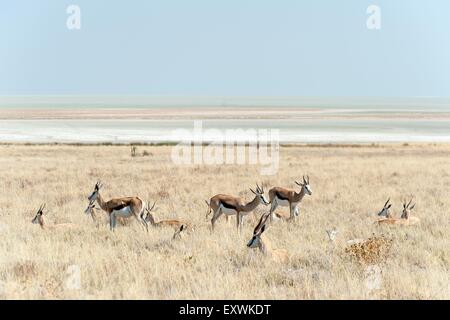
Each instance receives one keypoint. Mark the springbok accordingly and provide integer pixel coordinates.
(385, 212)
(179, 232)
(174, 223)
(405, 218)
(257, 241)
(230, 205)
(288, 198)
(119, 207)
(92, 211)
(39, 219)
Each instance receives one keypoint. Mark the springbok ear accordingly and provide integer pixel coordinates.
(412, 207)
(389, 206)
(182, 227)
(252, 191)
(298, 183)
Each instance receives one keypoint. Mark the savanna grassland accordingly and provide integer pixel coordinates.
(349, 184)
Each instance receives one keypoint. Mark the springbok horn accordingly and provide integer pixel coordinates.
(261, 222)
(260, 189)
(409, 203)
(148, 206)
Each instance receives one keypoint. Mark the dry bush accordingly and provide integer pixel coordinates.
(371, 251)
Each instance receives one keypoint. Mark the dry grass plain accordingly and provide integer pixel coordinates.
(350, 184)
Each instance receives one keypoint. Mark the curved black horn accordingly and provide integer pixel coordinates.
(148, 206)
(261, 223)
(409, 203)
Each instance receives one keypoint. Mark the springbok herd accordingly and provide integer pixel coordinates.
(120, 209)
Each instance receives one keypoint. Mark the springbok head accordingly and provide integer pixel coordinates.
(259, 192)
(90, 207)
(305, 185)
(93, 197)
(407, 207)
(94, 193)
(255, 241)
(385, 211)
(179, 233)
(332, 234)
(147, 215)
(37, 218)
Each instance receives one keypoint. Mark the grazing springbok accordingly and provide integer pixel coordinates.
(174, 223)
(230, 205)
(39, 219)
(119, 207)
(405, 219)
(288, 198)
(258, 241)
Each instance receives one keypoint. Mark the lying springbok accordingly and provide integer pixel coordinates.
(230, 205)
(39, 219)
(174, 223)
(257, 241)
(119, 207)
(385, 212)
(405, 219)
(288, 198)
(179, 233)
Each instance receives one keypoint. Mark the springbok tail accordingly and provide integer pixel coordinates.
(209, 209)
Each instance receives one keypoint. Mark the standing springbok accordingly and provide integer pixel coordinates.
(119, 207)
(405, 219)
(257, 241)
(230, 205)
(289, 198)
(39, 219)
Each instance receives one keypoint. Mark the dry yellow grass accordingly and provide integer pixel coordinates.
(349, 185)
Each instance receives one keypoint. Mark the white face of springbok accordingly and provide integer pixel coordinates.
(385, 211)
(38, 215)
(406, 209)
(259, 192)
(305, 185)
(93, 197)
(255, 241)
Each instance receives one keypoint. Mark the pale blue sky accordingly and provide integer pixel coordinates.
(225, 48)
